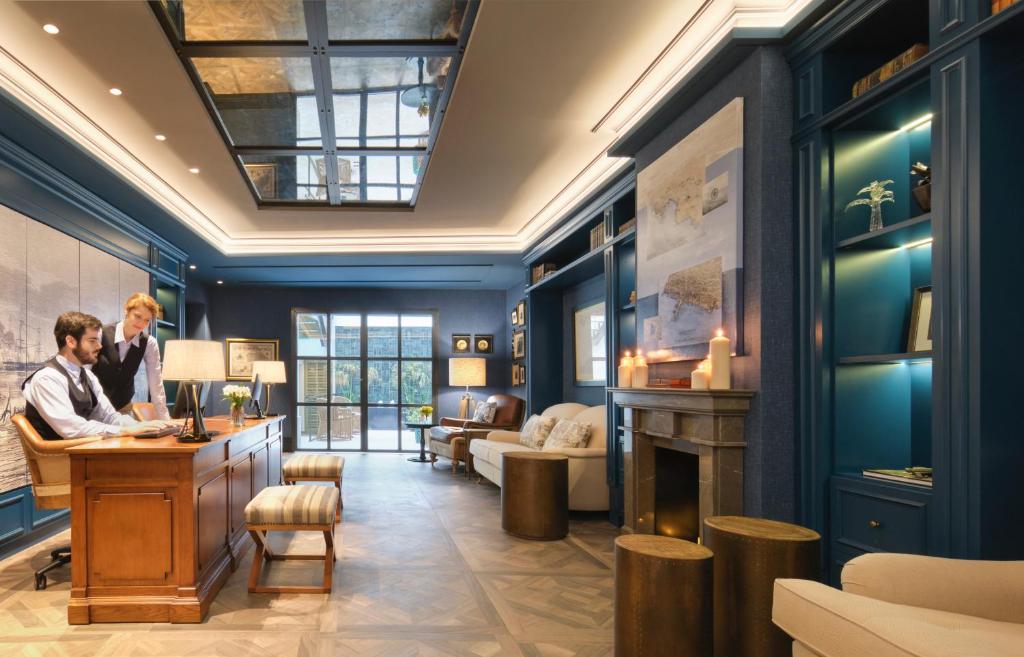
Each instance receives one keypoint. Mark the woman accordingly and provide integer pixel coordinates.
(125, 347)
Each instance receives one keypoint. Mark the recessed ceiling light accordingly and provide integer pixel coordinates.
(192, 267)
(50, 28)
(194, 170)
(220, 282)
(160, 138)
(114, 91)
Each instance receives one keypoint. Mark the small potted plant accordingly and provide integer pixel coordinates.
(923, 191)
(877, 195)
(426, 412)
(237, 396)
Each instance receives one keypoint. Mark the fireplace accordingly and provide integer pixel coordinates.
(682, 450)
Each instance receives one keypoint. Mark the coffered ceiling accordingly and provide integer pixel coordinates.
(544, 88)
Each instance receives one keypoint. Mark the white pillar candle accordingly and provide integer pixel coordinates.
(640, 371)
(699, 380)
(626, 371)
(720, 357)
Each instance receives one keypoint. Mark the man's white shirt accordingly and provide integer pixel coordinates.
(48, 392)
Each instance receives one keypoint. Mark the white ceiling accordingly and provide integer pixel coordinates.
(545, 88)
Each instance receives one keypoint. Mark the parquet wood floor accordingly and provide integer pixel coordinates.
(423, 570)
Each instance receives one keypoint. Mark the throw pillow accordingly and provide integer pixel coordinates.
(485, 412)
(567, 434)
(536, 431)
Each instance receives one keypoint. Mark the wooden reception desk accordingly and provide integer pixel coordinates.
(157, 525)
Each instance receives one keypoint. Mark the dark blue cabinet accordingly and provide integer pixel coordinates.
(877, 517)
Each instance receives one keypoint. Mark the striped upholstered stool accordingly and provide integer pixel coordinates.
(291, 509)
(316, 467)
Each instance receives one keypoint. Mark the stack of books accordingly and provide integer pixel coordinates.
(999, 5)
(916, 476)
(889, 69)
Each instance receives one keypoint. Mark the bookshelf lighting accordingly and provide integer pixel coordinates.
(913, 245)
(917, 123)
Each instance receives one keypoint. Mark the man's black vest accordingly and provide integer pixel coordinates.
(117, 377)
(83, 401)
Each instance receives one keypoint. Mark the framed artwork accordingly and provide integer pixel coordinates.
(521, 312)
(590, 345)
(519, 344)
(242, 352)
(515, 317)
(689, 257)
(462, 343)
(515, 374)
(920, 338)
(522, 374)
(483, 344)
(264, 179)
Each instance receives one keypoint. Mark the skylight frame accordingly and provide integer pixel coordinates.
(319, 50)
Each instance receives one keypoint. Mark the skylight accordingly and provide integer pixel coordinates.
(324, 102)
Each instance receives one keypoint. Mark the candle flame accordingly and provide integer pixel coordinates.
(719, 333)
(627, 353)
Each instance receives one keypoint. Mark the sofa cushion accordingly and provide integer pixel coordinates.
(491, 450)
(838, 624)
(293, 505)
(567, 434)
(485, 412)
(536, 431)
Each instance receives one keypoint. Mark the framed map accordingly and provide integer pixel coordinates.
(690, 241)
(242, 352)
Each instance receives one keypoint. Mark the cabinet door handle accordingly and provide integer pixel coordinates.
(874, 524)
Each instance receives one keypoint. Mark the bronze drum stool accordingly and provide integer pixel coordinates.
(535, 495)
(750, 553)
(663, 597)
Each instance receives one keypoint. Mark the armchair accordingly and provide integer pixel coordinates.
(448, 439)
(49, 467)
(143, 411)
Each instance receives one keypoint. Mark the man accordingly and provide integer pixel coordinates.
(64, 399)
(125, 347)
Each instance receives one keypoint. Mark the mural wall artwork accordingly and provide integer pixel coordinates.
(43, 273)
(690, 241)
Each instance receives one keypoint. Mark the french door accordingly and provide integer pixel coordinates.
(360, 376)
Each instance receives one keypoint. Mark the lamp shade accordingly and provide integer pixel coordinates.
(269, 371)
(193, 360)
(467, 372)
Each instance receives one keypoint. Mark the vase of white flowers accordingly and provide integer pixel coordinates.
(237, 396)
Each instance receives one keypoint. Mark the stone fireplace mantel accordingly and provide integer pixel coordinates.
(707, 424)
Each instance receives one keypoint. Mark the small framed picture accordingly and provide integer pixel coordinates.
(920, 338)
(462, 343)
(521, 312)
(519, 344)
(242, 352)
(483, 344)
(522, 374)
(515, 374)
(515, 317)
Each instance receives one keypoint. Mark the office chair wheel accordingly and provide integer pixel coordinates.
(40, 582)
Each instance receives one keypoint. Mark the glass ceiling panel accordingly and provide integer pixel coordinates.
(287, 178)
(243, 20)
(263, 101)
(389, 20)
(378, 177)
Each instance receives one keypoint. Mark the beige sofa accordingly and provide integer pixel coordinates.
(902, 605)
(588, 488)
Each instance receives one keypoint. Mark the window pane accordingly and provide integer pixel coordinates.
(346, 430)
(312, 421)
(417, 336)
(381, 335)
(382, 169)
(244, 20)
(310, 334)
(383, 428)
(287, 177)
(381, 117)
(346, 117)
(382, 382)
(394, 19)
(346, 382)
(312, 381)
(346, 329)
(381, 194)
(417, 382)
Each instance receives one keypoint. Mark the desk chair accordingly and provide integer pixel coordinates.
(49, 465)
(143, 411)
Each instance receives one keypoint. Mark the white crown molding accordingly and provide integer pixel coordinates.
(713, 22)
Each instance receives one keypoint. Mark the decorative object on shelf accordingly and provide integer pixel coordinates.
(627, 225)
(889, 69)
(668, 383)
(589, 346)
(877, 195)
(467, 372)
(596, 236)
(700, 379)
(641, 375)
(541, 271)
(270, 372)
(626, 371)
(518, 344)
(425, 413)
(462, 343)
(1000, 5)
(923, 190)
(916, 475)
(483, 344)
(237, 396)
(719, 358)
(243, 352)
(689, 260)
(920, 338)
(521, 312)
(632, 298)
(264, 179)
(159, 311)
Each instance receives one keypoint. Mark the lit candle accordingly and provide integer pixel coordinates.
(720, 357)
(626, 371)
(699, 379)
(640, 372)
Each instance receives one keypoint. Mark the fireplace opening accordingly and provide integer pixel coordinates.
(676, 494)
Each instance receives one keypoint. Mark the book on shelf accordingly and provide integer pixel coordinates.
(999, 5)
(626, 226)
(541, 271)
(916, 476)
(889, 69)
(596, 236)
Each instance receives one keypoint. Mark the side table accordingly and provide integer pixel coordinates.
(535, 495)
(422, 426)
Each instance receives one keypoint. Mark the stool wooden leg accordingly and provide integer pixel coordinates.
(328, 561)
(341, 505)
(257, 560)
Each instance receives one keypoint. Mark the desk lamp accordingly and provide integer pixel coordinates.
(270, 372)
(191, 362)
